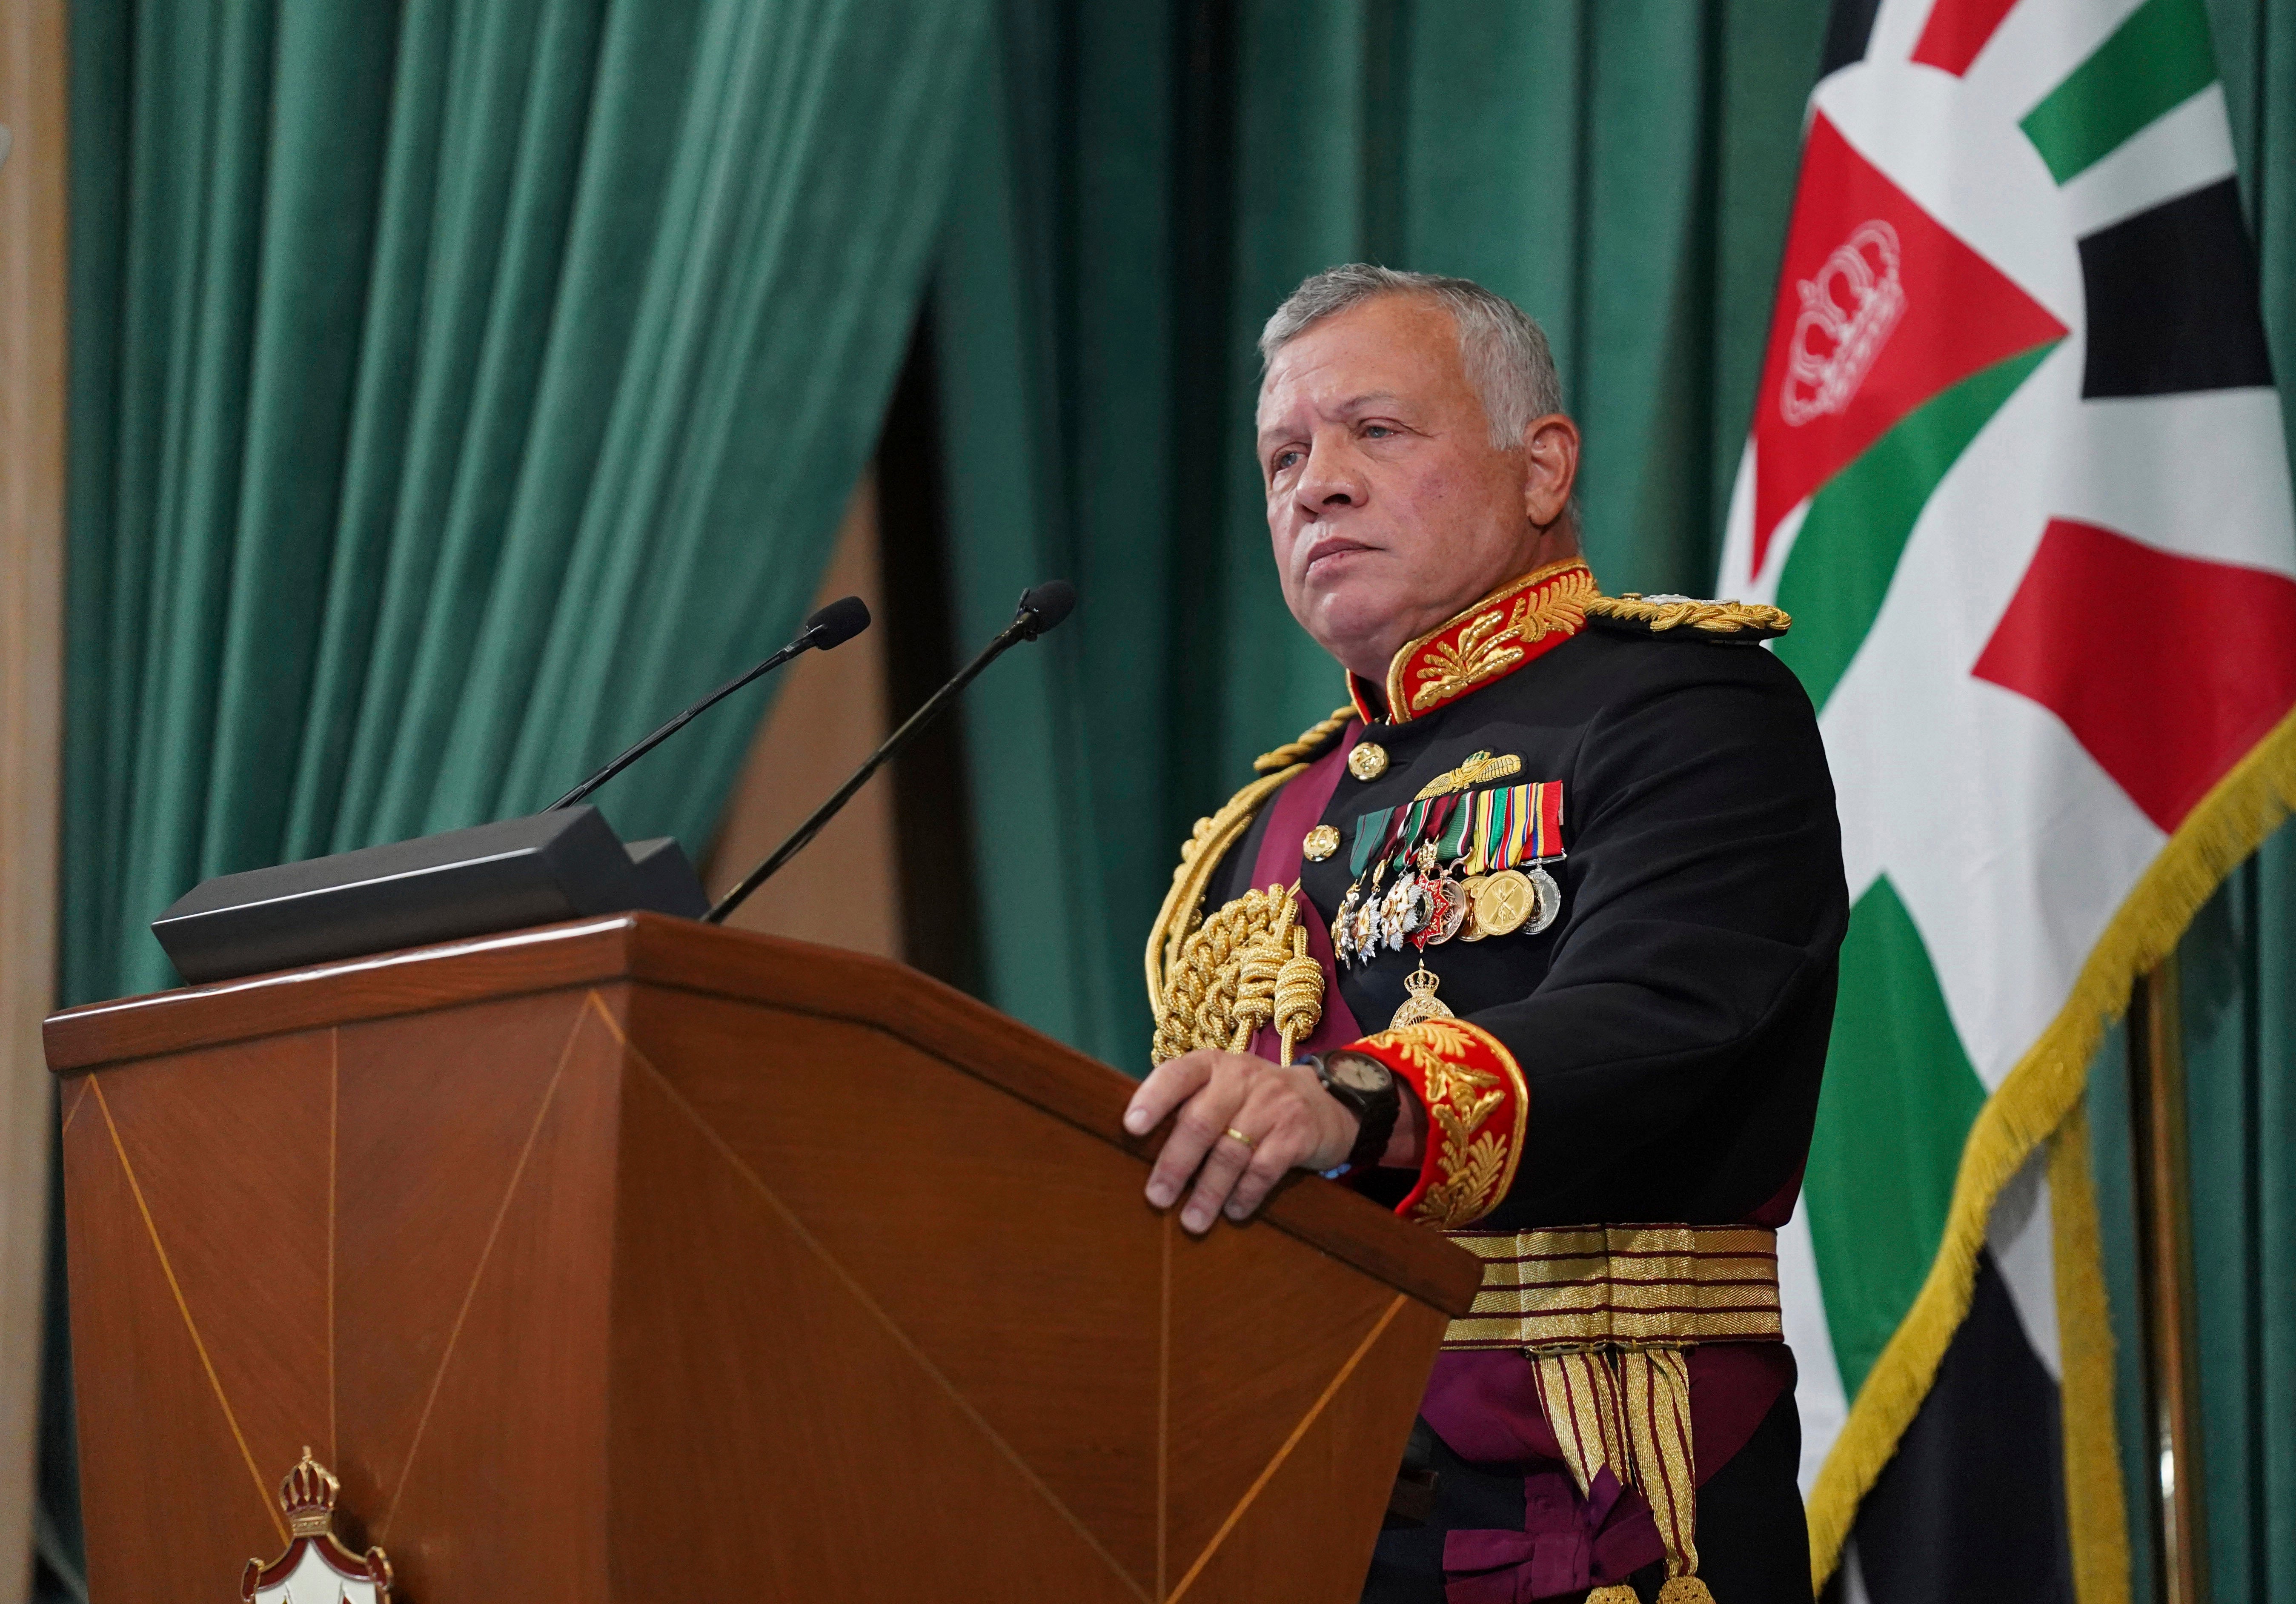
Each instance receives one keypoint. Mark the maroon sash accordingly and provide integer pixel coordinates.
(1297, 808)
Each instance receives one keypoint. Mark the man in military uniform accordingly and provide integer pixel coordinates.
(1536, 939)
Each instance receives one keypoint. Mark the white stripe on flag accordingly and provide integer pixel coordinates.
(2172, 156)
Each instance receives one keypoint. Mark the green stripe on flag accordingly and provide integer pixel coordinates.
(1860, 519)
(2155, 60)
(1897, 1101)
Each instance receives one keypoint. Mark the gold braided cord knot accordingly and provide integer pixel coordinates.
(1232, 977)
(1196, 965)
(1298, 995)
(1255, 978)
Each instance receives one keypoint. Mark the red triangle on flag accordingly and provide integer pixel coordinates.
(1880, 307)
(2169, 669)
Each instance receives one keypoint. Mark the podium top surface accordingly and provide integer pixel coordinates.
(650, 949)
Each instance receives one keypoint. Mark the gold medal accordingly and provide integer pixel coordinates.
(1368, 761)
(1321, 842)
(1504, 901)
(1470, 928)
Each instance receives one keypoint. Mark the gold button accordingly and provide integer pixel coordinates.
(1322, 841)
(1368, 761)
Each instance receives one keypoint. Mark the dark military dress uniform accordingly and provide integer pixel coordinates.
(1620, 1102)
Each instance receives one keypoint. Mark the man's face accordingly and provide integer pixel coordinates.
(1389, 508)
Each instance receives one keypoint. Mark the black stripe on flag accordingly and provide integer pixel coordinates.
(1848, 29)
(2172, 302)
(1972, 1509)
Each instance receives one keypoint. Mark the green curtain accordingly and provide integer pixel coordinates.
(2238, 990)
(2237, 974)
(457, 388)
(1152, 178)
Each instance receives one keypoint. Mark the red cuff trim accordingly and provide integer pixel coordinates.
(1477, 1107)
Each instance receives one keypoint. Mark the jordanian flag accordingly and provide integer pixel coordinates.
(2017, 470)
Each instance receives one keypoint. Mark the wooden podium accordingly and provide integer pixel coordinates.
(635, 1259)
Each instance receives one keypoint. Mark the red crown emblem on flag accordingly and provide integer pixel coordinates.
(1847, 309)
(308, 1494)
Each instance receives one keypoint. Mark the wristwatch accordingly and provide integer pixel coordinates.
(1365, 1088)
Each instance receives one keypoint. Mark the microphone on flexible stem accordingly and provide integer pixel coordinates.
(1042, 607)
(831, 626)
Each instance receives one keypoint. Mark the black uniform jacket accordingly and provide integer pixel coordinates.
(1671, 1024)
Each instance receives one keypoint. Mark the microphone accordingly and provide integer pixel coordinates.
(831, 626)
(1042, 607)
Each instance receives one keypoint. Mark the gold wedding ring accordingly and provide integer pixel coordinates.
(1240, 1136)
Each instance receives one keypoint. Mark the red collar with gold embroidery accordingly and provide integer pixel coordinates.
(1522, 620)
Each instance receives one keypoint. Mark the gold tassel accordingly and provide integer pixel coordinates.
(1618, 1592)
(1656, 1396)
(1681, 1589)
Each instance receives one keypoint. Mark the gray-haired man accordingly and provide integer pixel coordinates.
(1553, 973)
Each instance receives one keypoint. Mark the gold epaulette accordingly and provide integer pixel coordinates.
(1212, 837)
(1634, 613)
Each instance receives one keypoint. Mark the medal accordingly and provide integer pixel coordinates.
(1422, 1004)
(1550, 899)
(1450, 913)
(1418, 909)
(1470, 928)
(1504, 901)
(1444, 912)
(1395, 909)
(1424, 906)
(1511, 835)
(1366, 939)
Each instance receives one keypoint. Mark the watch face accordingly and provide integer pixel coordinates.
(1358, 1073)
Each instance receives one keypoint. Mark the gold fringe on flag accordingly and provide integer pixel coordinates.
(2030, 1104)
(2096, 1512)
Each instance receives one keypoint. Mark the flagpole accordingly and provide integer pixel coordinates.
(2161, 1162)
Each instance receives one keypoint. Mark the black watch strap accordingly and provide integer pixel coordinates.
(1378, 1128)
(1376, 1111)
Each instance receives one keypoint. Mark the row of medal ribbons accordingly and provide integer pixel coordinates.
(1452, 868)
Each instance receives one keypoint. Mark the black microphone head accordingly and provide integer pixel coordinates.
(1050, 602)
(838, 622)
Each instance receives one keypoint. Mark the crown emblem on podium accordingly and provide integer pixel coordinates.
(307, 1495)
(317, 1566)
(1847, 309)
